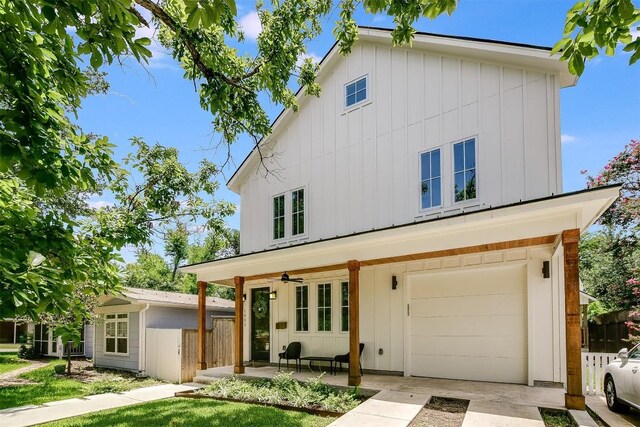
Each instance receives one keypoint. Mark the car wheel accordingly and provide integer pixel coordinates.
(612, 399)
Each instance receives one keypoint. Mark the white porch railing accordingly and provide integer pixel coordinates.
(593, 365)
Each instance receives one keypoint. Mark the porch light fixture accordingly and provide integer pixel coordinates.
(285, 278)
(244, 297)
(394, 283)
(273, 295)
(545, 270)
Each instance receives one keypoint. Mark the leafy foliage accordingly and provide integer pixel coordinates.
(285, 390)
(592, 25)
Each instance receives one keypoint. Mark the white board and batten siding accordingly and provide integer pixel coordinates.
(163, 355)
(525, 348)
(360, 166)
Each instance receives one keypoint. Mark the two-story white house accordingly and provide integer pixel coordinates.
(419, 203)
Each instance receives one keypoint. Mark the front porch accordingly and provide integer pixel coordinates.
(509, 394)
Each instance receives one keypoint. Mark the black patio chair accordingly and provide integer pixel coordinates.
(344, 358)
(292, 352)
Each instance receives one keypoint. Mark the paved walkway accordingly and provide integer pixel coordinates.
(52, 411)
(11, 377)
(598, 405)
(385, 409)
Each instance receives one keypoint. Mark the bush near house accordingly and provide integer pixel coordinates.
(284, 390)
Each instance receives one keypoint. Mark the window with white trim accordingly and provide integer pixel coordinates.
(116, 333)
(355, 92)
(302, 308)
(324, 307)
(344, 307)
(430, 179)
(278, 217)
(464, 170)
(297, 212)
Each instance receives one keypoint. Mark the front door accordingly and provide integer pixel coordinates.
(260, 324)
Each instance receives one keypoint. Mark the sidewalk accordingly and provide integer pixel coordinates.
(52, 411)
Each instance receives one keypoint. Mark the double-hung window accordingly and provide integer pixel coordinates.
(116, 333)
(344, 307)
(278, 217)
(464, 170)
(430, 179)
(324, 307)
(356, 92)
(302, 308)
(297, 212)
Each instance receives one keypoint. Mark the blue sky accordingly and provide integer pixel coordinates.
(598, 116)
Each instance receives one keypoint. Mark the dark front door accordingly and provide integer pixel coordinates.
(260, 324)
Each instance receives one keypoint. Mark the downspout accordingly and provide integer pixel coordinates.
(142, 345)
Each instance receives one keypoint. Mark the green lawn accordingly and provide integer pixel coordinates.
(10, 362)
(50, 388)
(196, 412)
(10, 346)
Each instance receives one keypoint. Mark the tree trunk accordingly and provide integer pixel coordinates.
(68, 358)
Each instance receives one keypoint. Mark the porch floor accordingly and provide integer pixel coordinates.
(513, 394)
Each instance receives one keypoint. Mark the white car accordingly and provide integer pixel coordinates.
(622, 380)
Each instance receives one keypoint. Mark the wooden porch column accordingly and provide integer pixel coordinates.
(202, 325)
(354, 322)
(573, 399)
(239, 340)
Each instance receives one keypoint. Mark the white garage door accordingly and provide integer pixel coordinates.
(469, 325)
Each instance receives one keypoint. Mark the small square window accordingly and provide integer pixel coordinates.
(356, 92)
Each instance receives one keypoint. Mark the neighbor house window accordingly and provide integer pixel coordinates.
(302, 308)
(344, 307)
(356, 92)
(116, 333)
(430, 180)
(278, 217)
(464, 170)
(297, 212)
(324, 307)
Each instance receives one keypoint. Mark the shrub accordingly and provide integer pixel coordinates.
(28, 352)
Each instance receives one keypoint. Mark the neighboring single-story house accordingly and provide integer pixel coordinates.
(120, 329)
(15, 331)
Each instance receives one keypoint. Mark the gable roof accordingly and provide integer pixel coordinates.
(173, 299)
(475, 48)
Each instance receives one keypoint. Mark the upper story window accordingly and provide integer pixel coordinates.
(430, 179)
(116, 333)
(302, 308)
(356, 92)
(324, 307)
(464, 170)
(297, 212)
(278, 217)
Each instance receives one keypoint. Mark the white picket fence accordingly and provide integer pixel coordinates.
(593, 365)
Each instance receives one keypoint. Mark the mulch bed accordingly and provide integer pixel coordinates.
(313, 411)
(441, 412)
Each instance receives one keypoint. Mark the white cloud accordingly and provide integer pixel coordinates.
(566, 139)
(635, 34)
(315, 58)
(99, 204)
(250, 25)
(160, 56)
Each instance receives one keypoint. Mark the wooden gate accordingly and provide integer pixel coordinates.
(220, 346)
(163, 348)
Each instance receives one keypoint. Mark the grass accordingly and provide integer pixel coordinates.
(10, 346)
(195, 413)
(10, 362)
(50, 387)
(556, 418)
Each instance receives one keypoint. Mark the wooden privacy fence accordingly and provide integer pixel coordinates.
(220, 348)
(593, 365)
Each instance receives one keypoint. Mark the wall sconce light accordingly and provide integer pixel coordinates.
(273, 295)
(545, 270)
(244, 297)
(394, 283)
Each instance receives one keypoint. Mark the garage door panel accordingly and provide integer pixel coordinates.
(497, 281)
(473, 305)
(470, 325)
(473, 368)
(477, 346)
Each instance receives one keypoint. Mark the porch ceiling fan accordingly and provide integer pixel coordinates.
(285, 278)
